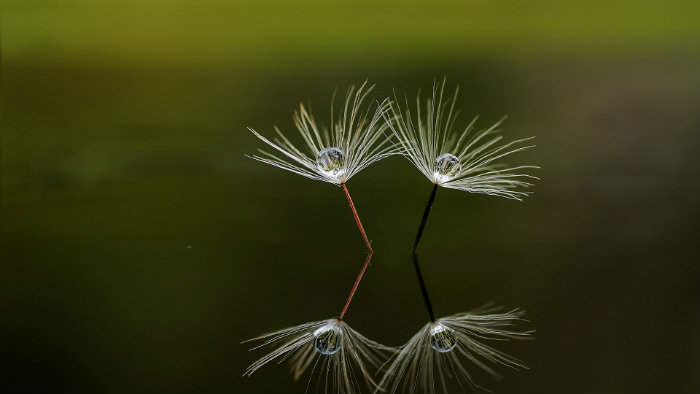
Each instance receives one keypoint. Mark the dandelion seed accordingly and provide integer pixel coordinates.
(336, 155)
(467, 161)
(443, 348)
(355, 141)
(464, 161)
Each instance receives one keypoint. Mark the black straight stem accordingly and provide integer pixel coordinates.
(423, 289)
(425, 218)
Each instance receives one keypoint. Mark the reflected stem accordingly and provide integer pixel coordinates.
(423, 289)
(354, 286)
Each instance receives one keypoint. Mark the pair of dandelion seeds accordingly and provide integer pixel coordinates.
(446, 348)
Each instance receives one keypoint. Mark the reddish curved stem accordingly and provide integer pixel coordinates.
(357, 218)
(369, 249)
(354, 286)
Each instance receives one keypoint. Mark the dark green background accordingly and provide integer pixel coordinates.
(140, 246)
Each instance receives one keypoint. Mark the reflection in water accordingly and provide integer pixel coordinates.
(444, 347)
(331, 347)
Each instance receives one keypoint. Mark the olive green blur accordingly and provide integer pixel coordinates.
(140, 246)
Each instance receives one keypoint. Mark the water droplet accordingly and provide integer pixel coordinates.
(330, 161)
(328, 339)
(442, 338)
(446, 167)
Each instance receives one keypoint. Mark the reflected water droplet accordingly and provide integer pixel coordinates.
(330, 161)
(328, 339)
(442, 338)
(446, 166)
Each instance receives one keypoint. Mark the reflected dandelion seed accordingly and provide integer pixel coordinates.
(422, 363)
(344, 358)
(443, 349)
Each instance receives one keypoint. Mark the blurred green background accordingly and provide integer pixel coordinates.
(140, 246)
